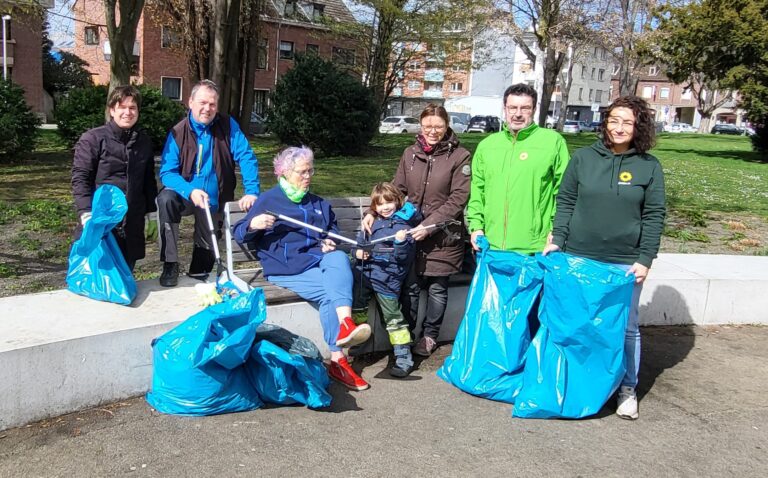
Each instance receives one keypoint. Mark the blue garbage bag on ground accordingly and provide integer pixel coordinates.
(284, 378)
(198, 365)
(97, 268)
(576, 360)
(490, 346)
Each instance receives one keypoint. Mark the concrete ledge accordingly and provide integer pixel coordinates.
(60, 352)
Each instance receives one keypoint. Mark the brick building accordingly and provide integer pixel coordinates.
(287, 27)
(24, 55)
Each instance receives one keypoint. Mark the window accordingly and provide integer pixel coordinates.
(598, 96)
(601, 74)
(583, 71)
(525, 67)
(602, 54)
(171, 87)
(414, 66)
(581, 94)
(664, 93)
(286, 50)
(318, 11)
(590, 95)
(290, 8)
(414, 85)
(91, 35)
(652, 71)
(312, 48)
(595, 52)
(592, 75)
(411, 120)
(647, 91)
(8, 36)
(456, 68)
(169, 38)
(260, 101)
(457, 87)
(343, 56)
(262, 54)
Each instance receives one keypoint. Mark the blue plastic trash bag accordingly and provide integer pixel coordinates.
(198, 365)
(285, 378)
(489, 350)
(576, 360)
(97, 268)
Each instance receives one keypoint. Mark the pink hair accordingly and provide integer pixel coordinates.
(286, 159)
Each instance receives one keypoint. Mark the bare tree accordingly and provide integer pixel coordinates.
(122, 37)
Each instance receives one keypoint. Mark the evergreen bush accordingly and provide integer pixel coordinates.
(18, 125)
(318, 105)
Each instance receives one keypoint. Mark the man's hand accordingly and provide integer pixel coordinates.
(261, 222)
(401, 235)
(362, 255)
(150, 229)
(367, 222)
(550, 248)
(473, 239)
(328, 246)
(419, 233)
(199, 198)
(640, 271)
(247, 201)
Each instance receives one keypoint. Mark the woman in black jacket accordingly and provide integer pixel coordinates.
(119, 154)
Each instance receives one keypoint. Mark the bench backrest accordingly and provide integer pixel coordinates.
(349, 211)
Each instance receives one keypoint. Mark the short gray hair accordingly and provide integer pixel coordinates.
(204, 84)
(286, 159)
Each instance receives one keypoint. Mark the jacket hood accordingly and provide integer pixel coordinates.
(406, 212)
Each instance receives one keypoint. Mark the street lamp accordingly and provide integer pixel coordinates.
(6, 18)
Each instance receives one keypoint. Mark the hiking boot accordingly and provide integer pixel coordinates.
(403, 362)
(351, 334)
(170, 275)
(425, 347)
(627, 403)
(202, 263)
(342, 372)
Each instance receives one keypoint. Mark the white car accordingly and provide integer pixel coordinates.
(680, 128)
(572, 126)
(399, 124)
(457, 125)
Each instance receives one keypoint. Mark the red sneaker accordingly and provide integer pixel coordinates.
(351, 334)
(342, 372)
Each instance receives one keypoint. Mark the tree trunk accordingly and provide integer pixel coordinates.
(553, 63)
(379, 70)
(121, 38)
(566, 81)
(251, 59)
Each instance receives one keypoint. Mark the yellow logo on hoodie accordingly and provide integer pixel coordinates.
(625, 176)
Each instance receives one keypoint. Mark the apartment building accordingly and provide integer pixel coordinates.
(590, 91)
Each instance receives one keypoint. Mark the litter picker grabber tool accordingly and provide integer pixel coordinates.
(440, 225)
(322, 232)
(227, 283)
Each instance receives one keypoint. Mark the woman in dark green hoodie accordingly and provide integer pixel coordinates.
(611, 208)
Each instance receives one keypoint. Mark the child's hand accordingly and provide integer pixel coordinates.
(362, 255)
(400, 235)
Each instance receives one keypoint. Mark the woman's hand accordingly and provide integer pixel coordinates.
(328, 246)
(261, 222)
(362, 255)
(640, 271)
(367, 223)
(419, 233)
(550, 248)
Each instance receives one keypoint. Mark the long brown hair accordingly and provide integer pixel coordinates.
(644, 132)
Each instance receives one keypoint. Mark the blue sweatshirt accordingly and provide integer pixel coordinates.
(204, 177)
(286, 248)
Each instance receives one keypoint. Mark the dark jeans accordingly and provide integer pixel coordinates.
(437, 300)
(171, 207)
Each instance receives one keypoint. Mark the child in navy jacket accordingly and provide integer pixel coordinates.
(382, 268)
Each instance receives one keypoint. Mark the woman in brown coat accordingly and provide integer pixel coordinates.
(434, 174)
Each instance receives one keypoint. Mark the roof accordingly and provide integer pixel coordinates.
(302, 11)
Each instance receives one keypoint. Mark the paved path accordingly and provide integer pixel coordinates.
(703, 412)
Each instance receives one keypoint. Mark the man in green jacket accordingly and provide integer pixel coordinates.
(516, 175)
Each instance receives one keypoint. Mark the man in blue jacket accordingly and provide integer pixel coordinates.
(198, 168)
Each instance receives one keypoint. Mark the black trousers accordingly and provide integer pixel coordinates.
(171, 207)
(437, 301)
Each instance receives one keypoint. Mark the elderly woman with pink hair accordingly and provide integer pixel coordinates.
(303, 260)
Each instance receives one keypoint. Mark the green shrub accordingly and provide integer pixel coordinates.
(18, 125)
(323, 107)
(760, 140)
(84, 108)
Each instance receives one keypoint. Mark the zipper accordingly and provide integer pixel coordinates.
(506, 198)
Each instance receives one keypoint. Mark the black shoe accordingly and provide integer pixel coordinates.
(202, 263)
(399, 371)
(170, 275)
(403, 365)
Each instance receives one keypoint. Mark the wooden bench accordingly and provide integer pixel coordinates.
(349, 212)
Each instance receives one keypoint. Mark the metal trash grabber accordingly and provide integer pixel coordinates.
(322, 233)
(441, 225)
(230, 280)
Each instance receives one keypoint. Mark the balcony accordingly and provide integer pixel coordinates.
(434, 74)
(433, 94)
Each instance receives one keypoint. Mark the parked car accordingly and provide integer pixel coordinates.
(680, 128)
(594, 126)
(726, 128)
(572, 126)
(463, 117)
(399, 124)
(257, 125)
(457, 125)
(484, 124)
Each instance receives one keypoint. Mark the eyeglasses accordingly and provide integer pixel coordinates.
(519, 109)
(616, 122)
(307, 173)
(433, 128)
